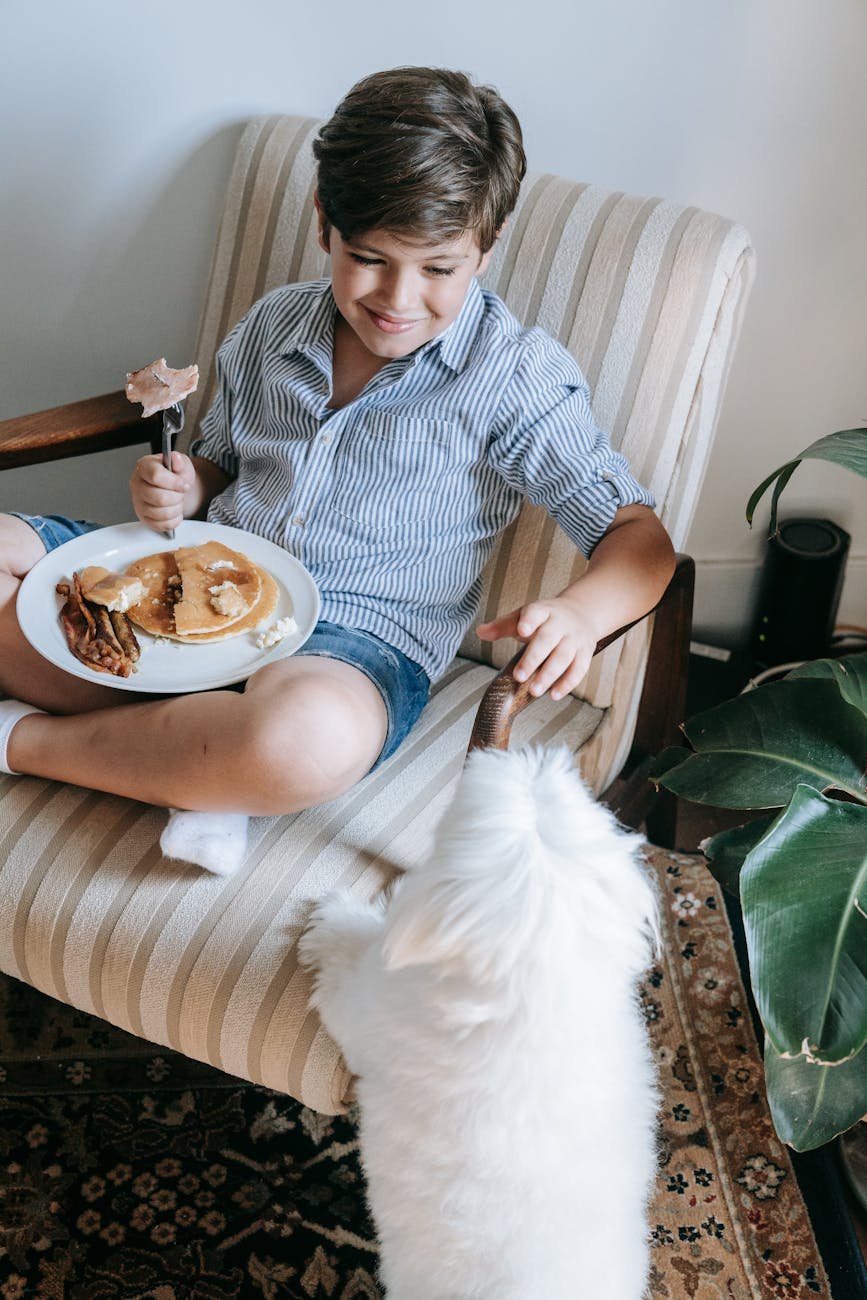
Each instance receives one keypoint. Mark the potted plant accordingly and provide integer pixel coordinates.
(793, 752)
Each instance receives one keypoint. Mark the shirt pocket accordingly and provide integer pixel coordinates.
(392, 471)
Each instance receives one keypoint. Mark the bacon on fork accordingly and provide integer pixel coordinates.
(103, 641)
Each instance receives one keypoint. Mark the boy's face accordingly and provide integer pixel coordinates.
(396, 294)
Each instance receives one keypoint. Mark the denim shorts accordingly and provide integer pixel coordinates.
(54, 530)
(402, 683)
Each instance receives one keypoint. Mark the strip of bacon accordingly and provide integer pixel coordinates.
(93, 636)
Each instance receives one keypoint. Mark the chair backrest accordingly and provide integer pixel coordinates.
(647, 294)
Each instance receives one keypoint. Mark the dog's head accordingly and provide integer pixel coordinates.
(524, 859)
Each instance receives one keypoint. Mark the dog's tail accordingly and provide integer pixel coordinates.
(523, 855)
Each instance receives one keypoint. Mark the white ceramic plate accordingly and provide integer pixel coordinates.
(166, 667)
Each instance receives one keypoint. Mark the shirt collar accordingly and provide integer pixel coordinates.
(455, 342)
(314, 333)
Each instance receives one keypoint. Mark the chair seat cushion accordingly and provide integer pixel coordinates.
(92, 914)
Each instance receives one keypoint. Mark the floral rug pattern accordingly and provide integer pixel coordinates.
(129, 1171)
(727, 1220)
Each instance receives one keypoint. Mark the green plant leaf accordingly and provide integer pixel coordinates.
(847, 447)
(812, 1103)
(850, 674)
(666, 760)
(803, 893)
(753, 751)
(725, 852)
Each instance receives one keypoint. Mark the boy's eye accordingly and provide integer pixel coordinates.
(361, 260)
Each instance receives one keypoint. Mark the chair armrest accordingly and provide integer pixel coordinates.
(664, 692)
(96, 424)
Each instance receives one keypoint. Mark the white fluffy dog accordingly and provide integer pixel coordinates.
(489, 1009)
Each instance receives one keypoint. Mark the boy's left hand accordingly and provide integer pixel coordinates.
(561, 637)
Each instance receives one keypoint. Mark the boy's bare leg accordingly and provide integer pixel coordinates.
(305, 729)
(24, 674)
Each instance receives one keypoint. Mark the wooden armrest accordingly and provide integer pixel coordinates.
(96, 424)
(661, 704)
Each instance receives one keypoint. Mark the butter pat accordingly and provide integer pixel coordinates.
(113, 590)
(276, 632)
(227, 600)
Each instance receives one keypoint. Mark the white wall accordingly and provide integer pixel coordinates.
(119, 123)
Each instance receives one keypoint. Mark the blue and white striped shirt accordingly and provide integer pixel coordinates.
(394, 501)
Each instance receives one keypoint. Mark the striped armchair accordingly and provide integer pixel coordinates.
(648, 295)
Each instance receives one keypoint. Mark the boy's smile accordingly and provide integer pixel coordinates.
(396, 294)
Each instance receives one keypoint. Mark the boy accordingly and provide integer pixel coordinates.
(383, 426)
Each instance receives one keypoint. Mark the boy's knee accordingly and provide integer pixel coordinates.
(20, 546)
(304, 747)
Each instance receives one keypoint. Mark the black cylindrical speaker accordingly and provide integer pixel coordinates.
(799, 591)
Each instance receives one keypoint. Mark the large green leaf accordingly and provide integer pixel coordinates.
(812, 1103)
(667, 759)
(726, 851)
(803, 892)
(754, 750)
(847, 447)
(850, 674)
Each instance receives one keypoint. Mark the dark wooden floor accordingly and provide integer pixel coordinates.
(697, 822)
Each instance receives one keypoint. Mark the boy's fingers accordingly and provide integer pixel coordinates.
(543, 643)
(160, 498)
(150, 469)
(155, 478)
(568, 683)
(551, 670)
(183, 469)
(569, 680)
(162, 520)
(507, 625)
(532, 617)
(520, 623)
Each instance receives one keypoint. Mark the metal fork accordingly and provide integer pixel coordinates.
(173, 422)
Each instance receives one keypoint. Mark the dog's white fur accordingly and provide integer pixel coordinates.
(489, 1009)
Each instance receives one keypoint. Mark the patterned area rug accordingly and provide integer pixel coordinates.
(128, 1171)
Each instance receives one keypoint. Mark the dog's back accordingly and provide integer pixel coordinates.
(508, 1106)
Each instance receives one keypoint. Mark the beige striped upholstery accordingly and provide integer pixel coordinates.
(648, 295)
(92, 914)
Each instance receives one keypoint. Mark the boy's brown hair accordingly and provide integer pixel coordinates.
(422, 151)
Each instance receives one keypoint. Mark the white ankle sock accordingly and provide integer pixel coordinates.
(215, 841)
(11, 713)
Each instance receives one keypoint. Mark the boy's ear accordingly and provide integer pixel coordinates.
(324, 225)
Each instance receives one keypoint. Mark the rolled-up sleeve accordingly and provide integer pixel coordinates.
(547, 445)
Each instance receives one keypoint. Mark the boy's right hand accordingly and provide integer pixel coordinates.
(158, 494)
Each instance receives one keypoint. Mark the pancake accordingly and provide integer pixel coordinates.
(161, 575)
(218, 588)
(264, 608)
(154, 613)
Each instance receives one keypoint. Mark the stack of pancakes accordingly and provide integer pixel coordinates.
(198, 594)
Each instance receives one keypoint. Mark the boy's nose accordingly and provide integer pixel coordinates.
(400, 292)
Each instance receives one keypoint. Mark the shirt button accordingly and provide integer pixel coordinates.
(326, 438)
(299, 521)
